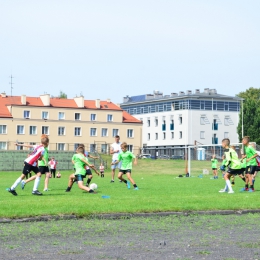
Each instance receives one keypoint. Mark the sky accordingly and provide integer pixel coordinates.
(110, 49)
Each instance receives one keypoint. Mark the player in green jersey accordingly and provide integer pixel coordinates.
(80, 161)
(251, 163)
(126, 168)
(232, 163)
(214, 166)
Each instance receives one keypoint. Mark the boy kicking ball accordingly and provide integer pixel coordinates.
(233, 164)
(126, 168)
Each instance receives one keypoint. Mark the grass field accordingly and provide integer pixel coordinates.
(159, 190)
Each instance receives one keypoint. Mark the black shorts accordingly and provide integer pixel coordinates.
(43, 169)
(125, 171)
(251, 169)
(29, 168)
(88, 172)
(79, 177)
(257, 169)
(234, 171)
(53, 171)
(214, 168)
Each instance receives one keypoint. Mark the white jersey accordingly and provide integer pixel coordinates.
(116, 147)
(35, 155)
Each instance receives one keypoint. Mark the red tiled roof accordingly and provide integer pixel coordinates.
(127, 118)
(59, 102)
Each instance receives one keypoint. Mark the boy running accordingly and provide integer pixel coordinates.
(126, 157)
(79, 163)
(233, 164)
(214, 166)
(101, 169)
(251, 164)
(29, 162)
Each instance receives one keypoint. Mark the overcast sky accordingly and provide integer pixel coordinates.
(112, 48)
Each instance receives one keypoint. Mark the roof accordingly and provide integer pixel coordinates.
(62, 103)
(127, 118)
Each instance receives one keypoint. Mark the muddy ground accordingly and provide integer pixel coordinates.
(172, 237)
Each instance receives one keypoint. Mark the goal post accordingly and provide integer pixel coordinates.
(199, 156)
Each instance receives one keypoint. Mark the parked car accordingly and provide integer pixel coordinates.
(165, 157)
(145, 156)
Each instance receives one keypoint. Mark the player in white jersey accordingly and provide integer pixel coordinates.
(115, 149)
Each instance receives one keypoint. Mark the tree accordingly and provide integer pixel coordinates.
(251, 114)
(62, 95)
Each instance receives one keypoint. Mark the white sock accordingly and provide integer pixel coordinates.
(36, 183)
(16, 183)
(229, 185)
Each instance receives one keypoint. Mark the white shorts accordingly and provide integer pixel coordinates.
(118, 165)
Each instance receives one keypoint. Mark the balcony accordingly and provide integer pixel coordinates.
(171, 126)
(214, 140)
(214, 126)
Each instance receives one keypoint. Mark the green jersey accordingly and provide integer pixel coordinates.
(46, 157)
(224, 162)
(214, 163)
(232, 159)
(250, 151)
(78, 164)
(126, 158)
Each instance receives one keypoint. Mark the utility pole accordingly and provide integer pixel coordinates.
(11, 83)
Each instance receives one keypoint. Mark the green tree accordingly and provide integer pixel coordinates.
(62, 95)
(251, 114)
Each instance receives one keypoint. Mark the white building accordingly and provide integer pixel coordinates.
(171, 122)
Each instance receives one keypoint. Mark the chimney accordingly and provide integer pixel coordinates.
(197, 91)
(23, 100)
(188, 92)
(79, 101)
(206, 90)
(174, 94)
(181, 93)
(45, 99)
(126, 99)
(97, 103)
(3, 95)
(108, 100)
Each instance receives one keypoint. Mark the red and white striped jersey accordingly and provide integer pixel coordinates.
(35, 155)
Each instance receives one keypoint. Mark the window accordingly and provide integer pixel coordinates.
(31, 148)
(3, 129)
(180, 120)
(180, 134)
(77, 131)
(202, 135)
(20, 129)
(76, 145)
(226, 135)
(93, 131)
(61, 115)
(130, 147)
(148, 123)
(172, 125)
(33, 130)
(156, 108)
(148, 136)
(141, 110)
(104, 132)
(156, 136)
(45, 115)
(77, 116)
(130, 133)
(61, 146)
(226, 122)
(164, 135)
(61, 130)
(92, 148)
(93, 117)
(172, 135)
(149, 109)
(164, 126)
(3, 146)
(115, 132)
(164, 107)
(202, 120)
(156, 121)
(19, 147)
(45, 130)
(26, 114)
(110, 118)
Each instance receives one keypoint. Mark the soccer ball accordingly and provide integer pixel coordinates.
(93, 186)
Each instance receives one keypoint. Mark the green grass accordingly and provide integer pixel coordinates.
(160, 190)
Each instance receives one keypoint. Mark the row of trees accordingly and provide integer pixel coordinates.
(251, 114)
